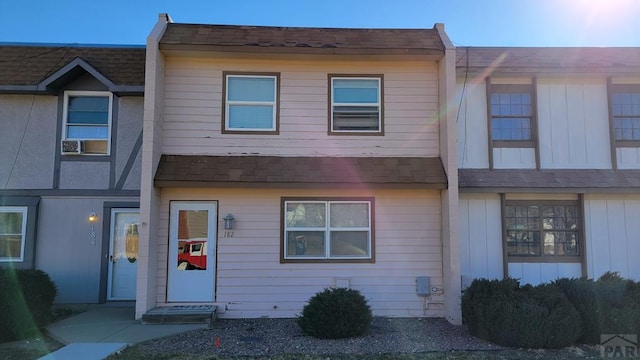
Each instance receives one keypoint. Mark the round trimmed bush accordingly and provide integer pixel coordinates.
(336, 313)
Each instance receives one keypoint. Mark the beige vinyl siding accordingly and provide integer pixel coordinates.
(251, 281)
(193, 113)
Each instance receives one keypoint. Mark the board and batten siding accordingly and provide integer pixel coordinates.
(251, 281)
(573, 123)
(473, 137)
(613, 235)
(193, 108)
(480, 237)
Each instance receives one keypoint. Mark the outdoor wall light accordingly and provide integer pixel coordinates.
(228, 222)
(92, 231)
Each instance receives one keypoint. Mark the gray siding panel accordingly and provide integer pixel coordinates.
(28, 124)
(130, 112)
(84, 175)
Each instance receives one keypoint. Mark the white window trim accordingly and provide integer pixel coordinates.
(378, 104)
(65, 108)
(327, 230)
(273, 103)
(23, 210)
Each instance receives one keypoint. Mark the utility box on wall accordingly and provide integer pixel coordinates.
(422, 286)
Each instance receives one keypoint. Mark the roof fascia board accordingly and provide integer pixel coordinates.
(77, 62)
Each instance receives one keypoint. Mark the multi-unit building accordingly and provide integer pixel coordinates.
(70, 140)
(549, 158)
(266, 163)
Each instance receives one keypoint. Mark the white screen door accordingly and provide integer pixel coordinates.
(192, 246)
(123, 254)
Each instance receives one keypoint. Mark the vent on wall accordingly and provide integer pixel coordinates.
(70, 147)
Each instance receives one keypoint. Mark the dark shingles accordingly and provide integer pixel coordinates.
(272, 169)
(548, 59)
(558, 178)
(28, 65)
(289, 38)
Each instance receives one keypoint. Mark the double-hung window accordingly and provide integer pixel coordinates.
(251, 103)
(356, 104)
(87, 118)
(13, 224)
(543, 230)
(625, 104)
(512, 120)
(327, 230)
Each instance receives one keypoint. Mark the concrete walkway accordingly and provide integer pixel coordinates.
(103, 330)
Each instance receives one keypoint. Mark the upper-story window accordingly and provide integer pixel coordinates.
(251, 103)
(539, 230)
(512, 120)
(356, 104)
(87, 122)
(317, 230)
(13, 223)
(625, 101)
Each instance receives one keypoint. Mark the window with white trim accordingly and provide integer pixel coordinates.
(356, 104)
(251, 103)
(13, 225)
(327, 230)
(87, 118)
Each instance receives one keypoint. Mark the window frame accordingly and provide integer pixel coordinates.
(380, 104)
(65, 117)
(615, 89)
(512, 89)
(275, 128)
(327, 258)
(542, 257)
(23, 242)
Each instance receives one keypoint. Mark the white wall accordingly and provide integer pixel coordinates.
(251, 281)
(480, 237)
(613, 235)
(573, 122)
(193, 101)
(538, 273)
(473, 137)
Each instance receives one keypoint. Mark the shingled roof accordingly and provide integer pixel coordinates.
(548, 59)
(302, 40)
(566, 180)
(196, 170)
(23, 65)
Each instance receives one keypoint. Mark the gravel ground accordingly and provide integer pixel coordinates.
(260, 337)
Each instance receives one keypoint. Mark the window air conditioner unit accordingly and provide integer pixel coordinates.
(72, 147)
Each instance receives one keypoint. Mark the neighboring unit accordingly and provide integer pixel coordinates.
(298, 159)
(549, 158)
(70, 141)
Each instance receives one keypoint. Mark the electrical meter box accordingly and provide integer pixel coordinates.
(422, 286)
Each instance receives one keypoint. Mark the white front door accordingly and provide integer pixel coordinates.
(192, 246)
(123, 254)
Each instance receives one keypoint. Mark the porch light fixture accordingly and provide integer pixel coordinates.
(228, 222)
(92, 232)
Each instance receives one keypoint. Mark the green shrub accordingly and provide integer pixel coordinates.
(530, 317)
(336, 313)
(26, 297)
(584, 297)
(619, 306)
(479, 300)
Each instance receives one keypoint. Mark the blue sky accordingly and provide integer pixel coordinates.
(468, 22)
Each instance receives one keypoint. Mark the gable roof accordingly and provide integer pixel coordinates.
(513, 60)
(24, 67)
(275, 171)
(302, 40)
